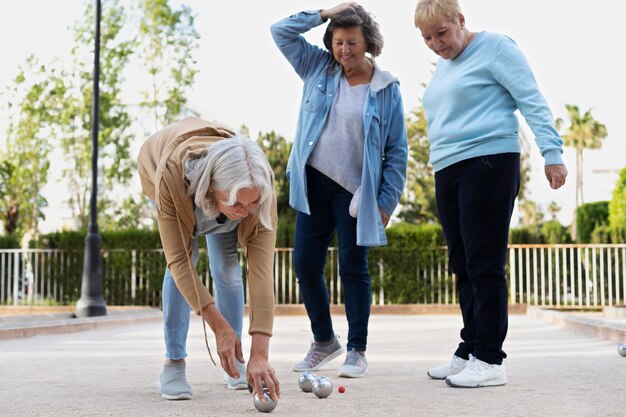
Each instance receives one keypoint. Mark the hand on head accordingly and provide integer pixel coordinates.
(329, 13)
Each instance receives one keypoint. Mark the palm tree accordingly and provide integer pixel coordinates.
(583, 133)
(553, 209)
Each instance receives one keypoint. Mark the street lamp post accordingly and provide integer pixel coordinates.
(91, 302)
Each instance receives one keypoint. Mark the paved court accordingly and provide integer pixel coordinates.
(110, 371)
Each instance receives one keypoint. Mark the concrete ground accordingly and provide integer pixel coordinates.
(110, 369)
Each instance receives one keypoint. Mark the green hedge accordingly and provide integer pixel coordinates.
(9, 242)
(409, 245)
(588, 217)
(122, 239)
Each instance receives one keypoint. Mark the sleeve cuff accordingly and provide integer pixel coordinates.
(553, 157)
(261, 321)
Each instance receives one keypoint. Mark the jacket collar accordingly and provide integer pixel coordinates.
(380, 79)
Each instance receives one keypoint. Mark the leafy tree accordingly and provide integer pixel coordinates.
(553, 209)
(531, 213)
(522, 194)
(590, 216)
(277, 151)
(34, 100)
(554, 233)
(584, 132)
(418, 202)
(167, 40)
(617, 210)
(131, 213)
(114, 140)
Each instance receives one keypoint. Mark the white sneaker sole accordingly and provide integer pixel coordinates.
(181, 396)
(435, 377)
(348, 374)
(479, 385)
(239, 386)
(323, 362)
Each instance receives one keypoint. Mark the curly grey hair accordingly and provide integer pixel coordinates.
(356, 16)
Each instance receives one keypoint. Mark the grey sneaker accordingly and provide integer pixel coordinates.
(173, 383)
(478, 374)
(239, 383)
(453, 367)
(318, 356)
(355, 365)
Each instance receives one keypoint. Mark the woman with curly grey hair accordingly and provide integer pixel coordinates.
(206, 181)
(347, 168)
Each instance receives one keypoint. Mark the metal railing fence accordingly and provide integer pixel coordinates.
(566, 276)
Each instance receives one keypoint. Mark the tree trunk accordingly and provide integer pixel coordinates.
(12, 216)
(579, 190)
(579, 177)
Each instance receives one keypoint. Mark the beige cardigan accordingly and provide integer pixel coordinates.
(161, 165)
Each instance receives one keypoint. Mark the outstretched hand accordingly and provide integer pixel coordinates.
(329, 13)
(556, 175)
(227, 341)
(260, 374)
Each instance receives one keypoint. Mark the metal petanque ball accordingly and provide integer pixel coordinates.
(322, 387)
(268, 406)
(621, 349)
(305, 382)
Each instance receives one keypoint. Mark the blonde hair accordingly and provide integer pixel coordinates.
(229, 166)
(430, 12)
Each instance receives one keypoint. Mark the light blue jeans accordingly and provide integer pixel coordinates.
(228, 293)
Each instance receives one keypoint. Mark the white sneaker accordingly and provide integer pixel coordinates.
(318, 356)
(173, 383)
(453, 367)
(355, 365)
(240, 383)
(478, 374)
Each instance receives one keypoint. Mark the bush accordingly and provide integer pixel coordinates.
(407, 242)
(617, 210)
(525, 235)
(9, 242)
(601, 234)
(553, 232)
(285, 232)
(119, 239)
(588, 217)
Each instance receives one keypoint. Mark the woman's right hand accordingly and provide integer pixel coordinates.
(326, 14)
(229, 350)
(228, 344)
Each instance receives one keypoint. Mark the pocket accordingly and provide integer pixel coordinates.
(314, 99)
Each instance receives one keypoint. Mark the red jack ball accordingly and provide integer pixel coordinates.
(341, 389)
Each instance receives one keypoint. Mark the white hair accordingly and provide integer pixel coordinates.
(228, 166)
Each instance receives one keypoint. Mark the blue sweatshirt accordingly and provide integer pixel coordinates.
(471, 101)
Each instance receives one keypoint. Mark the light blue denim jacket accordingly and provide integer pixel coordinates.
(385, 148)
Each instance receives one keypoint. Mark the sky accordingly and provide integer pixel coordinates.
(574, 47)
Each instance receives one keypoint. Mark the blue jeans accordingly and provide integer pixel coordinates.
(228, 294)
(329, 204)
(475, 201)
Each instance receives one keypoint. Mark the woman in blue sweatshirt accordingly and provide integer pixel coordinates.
(481, 79)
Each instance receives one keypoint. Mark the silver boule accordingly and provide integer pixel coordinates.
(305, 382)
(265, 407)
(322, 387)
(621, 349)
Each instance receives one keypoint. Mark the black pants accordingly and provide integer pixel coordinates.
(475, 201)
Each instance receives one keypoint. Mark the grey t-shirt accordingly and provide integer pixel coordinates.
(205, 226)
(338, 153)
